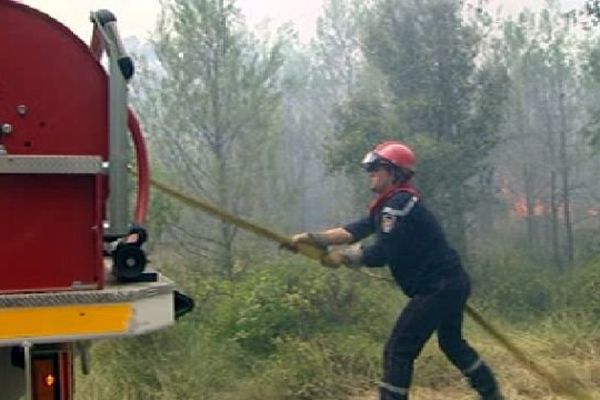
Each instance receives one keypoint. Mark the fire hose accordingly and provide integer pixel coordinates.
(558, 385)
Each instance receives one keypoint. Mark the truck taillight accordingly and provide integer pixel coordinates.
(49, 380)
(45, 373)
(51, 372)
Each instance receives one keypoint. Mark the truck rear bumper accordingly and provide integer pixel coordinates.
(118, 310)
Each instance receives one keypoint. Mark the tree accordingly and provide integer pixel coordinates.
(592, 80)
(213, 101)
(338, 54)
(528, 137)
(544, 158)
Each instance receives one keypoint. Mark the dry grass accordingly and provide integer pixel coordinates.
(571, 354)
(575, 363)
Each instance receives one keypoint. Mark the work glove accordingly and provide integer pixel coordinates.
(350, 256)
(316, 239)
(332, 259)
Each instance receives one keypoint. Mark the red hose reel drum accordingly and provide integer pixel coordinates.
(55, 134)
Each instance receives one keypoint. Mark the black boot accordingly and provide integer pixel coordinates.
(482, 380)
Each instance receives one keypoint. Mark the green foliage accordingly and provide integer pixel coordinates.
(323, 367)
(283, 330)
(337, 45)
(515, 288)
(584, 296)
(290, 300)
(508, 284)
(168, 365)
(427, 56)
(288, 330)
(365, 119)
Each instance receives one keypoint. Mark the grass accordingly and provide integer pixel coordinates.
(317, 368)
(569, 351)
(290, 331)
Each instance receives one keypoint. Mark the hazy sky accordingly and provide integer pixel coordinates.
(136, 17)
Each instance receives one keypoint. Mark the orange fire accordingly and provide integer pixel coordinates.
(520, 209)
(518, 202)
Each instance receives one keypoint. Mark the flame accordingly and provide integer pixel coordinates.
(519, 208)
(518, 202)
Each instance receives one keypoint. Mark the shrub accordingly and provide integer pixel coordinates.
(299, 300)
(583, 290)
(325, 367)
(515, 288)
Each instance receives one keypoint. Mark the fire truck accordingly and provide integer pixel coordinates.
(72, 263)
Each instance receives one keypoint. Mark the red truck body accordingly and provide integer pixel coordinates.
(53, 102)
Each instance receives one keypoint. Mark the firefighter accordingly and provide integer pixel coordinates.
(410, 241)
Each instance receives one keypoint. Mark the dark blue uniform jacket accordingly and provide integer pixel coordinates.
(410, 241)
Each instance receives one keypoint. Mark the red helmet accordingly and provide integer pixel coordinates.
(390, 152)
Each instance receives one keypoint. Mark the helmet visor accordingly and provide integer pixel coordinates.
(372, 162)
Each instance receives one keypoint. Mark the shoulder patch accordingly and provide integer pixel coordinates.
(390, 215)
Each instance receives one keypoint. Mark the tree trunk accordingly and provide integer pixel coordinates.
(555, 225)
(225, 255)
(566, 195)
(530, 209)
